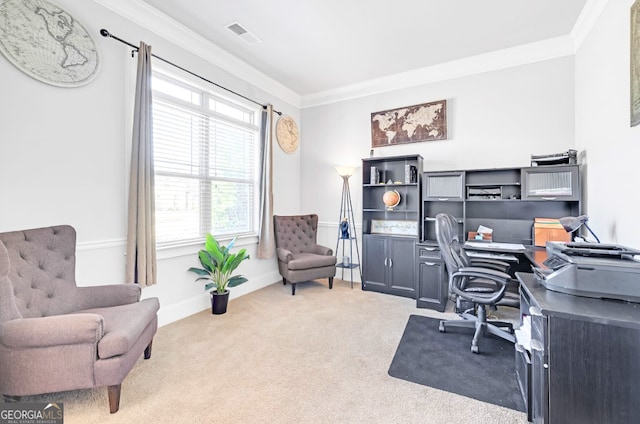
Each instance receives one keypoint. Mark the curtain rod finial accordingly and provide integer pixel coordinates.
(104, 33)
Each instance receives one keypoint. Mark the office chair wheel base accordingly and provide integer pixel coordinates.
(441, 328)
(475, 349)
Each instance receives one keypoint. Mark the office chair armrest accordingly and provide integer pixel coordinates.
(490, 263)
(500, 279)
(284, 255)
(481, 272)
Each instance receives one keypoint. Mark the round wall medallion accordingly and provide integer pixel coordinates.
(47, 43)
(287, 134)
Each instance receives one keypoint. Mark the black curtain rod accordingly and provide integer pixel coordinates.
(106, 33)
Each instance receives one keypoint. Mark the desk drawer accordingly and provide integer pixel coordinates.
(429, 252)
(523, 374)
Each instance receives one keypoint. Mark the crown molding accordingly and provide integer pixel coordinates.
(586, 21)
(520, 55)
(500, 59)
(157, 22)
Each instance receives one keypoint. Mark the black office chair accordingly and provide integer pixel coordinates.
(483, 286)
(511, 297)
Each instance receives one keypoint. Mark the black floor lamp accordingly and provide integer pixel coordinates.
(347, 228)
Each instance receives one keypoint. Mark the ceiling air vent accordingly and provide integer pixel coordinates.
(243, 33)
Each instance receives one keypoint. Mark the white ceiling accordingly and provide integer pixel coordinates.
(312, 46)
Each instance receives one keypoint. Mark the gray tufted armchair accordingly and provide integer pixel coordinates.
(299, 257)
(55, 336)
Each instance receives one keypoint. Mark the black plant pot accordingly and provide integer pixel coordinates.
(219, 302)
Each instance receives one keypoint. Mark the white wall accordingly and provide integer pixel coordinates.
(495, 119)
(63, 160)
(602, 127)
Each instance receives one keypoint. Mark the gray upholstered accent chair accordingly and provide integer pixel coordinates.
(55, 336)
(300, 258)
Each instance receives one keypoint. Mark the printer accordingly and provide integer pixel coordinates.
(606, 271)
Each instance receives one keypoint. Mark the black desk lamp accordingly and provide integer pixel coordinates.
(573, 223)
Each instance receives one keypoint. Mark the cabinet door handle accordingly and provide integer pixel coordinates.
(390, 263)
(429, 263)
(430, 249)
(442, 198)
(385, 261)
(535, 311)
(549, 198)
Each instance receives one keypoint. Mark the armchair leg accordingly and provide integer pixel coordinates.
(330, 283)
(284, 281)
(147, 351)
(293, 289)
(114, 398)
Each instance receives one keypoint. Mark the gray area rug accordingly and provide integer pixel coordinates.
(445, 361)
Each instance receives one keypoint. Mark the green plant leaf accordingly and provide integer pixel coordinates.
(208, 286)
(206, 260)
(236, 280)
(200, 271)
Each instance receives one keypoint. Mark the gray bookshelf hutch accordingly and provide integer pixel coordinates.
(390, 234)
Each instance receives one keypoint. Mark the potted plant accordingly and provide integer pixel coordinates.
(218, 263)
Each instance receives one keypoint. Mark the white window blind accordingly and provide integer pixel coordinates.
(206, 162)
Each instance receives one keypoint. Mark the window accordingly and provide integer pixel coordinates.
(206, 160)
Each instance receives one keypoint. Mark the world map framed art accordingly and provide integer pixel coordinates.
(409, 124)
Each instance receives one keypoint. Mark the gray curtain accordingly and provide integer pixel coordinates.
(141, 231)
(266, 241)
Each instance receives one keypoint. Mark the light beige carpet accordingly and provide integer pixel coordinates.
(320, 356)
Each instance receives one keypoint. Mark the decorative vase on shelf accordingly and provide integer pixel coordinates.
(344, 229)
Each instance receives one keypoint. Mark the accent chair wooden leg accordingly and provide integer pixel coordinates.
(330, 283)
(114, 398)
(147, 351)
(11, 399)
(293, 289)
(284, 282)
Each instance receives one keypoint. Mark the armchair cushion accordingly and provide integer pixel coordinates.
(310, 260)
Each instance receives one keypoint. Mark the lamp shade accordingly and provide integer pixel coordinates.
(345, 171)
(573, 223)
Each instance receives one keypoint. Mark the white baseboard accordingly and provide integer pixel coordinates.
(199, 303)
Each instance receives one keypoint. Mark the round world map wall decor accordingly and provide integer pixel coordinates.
(287, 134)
(47, 43)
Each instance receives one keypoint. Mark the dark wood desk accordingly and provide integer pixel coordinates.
(585, 365)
